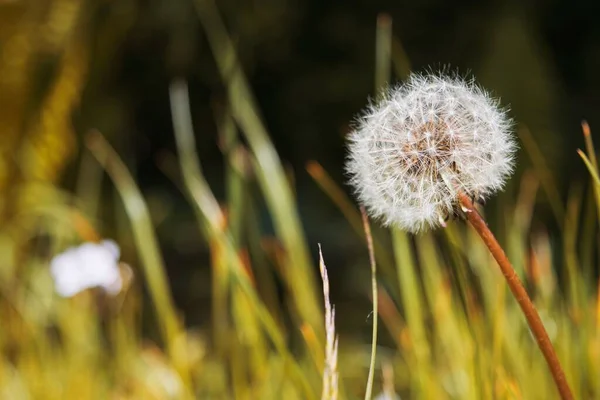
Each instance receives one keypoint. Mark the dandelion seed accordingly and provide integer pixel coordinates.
(87, 266)
(427, 141)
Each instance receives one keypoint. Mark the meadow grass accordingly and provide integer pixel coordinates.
(457, 332)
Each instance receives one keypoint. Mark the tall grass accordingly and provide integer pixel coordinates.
(457, 334)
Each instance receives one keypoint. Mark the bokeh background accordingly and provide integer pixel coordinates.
(69, 66)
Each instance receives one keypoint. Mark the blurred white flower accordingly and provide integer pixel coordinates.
(426, 141)
(87, 266)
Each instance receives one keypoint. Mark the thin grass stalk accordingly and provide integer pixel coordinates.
(237, 372)
(351, 215)
(330, 371)
(412, 303)
(383, 53)
(482, 321)
(590, 167)
(249, 333)
(263, 269)
(182, 124)
(589, 146)
(235, 176)
(147, 245)
(570, 240)
(516, 287)
(235, 266)
(542, 171)
(211, 220)
(369, 389)
(498, 328)
(518, 223)
(400, 61)
(271, 176)
(588, 237)
(89, 184)
(462, 277)
(453, 340)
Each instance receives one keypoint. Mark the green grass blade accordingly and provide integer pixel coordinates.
(543, 172)
(369, 389)
(268, 167)
(590, 167)
(383, 53)
(209, 213)
(146, 243)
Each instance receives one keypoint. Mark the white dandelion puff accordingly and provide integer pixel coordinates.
(424, 143)
(87, 266)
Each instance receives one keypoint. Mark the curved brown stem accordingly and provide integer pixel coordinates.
(519, 292)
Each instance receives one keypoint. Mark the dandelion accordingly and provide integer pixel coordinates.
(87, 266)
(424, 152)
(427, 141)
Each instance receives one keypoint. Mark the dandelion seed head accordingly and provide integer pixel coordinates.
(426, 141)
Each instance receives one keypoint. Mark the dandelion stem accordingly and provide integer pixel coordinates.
(519, 292)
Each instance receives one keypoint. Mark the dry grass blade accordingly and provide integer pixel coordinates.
(330, 372)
